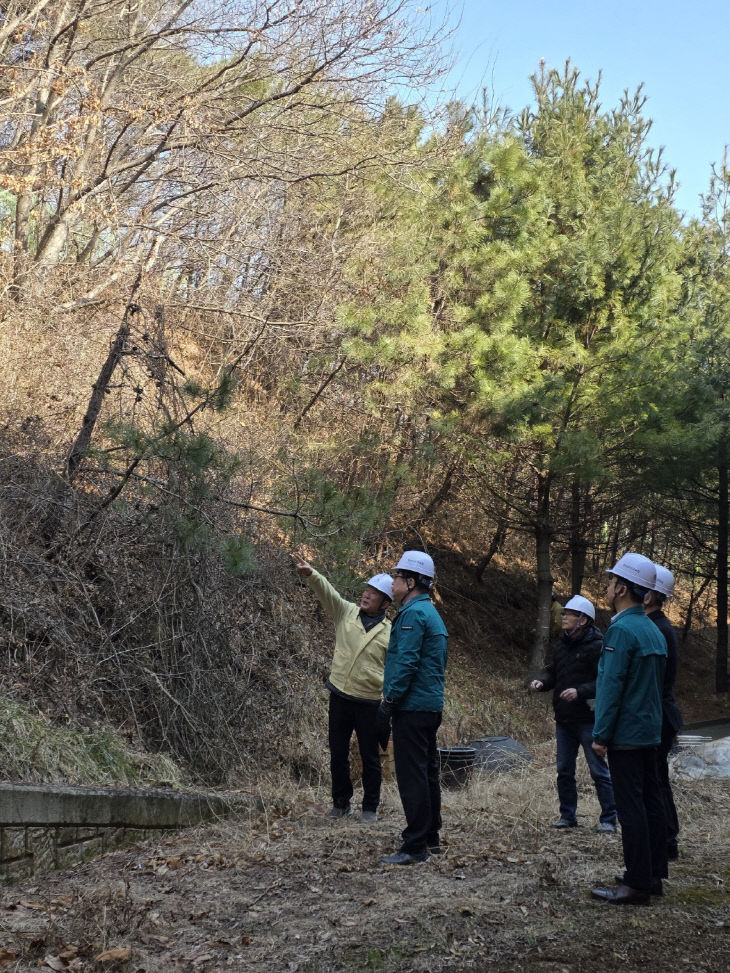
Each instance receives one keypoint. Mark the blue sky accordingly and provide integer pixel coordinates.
(679, 50)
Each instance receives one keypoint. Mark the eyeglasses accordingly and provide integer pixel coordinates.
(397, 574)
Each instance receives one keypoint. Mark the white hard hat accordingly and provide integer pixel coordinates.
(382, 583)
(664, 583)
(635, 568)
(580, 604)
(418, 562)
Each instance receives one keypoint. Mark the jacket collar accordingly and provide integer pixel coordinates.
(589, 631)
(414, 601)
(634, 610)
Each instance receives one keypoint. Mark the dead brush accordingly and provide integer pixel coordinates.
(514, 809)
(509, 808)
(96, 920)
(124, 629)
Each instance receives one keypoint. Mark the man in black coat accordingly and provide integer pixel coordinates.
(572, 677)
(671, 715)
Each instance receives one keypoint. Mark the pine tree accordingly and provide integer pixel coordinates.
(567, 288)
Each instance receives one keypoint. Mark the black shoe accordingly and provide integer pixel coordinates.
(622, 895)
(435, 849)
(565, 823)
(404, 858)
(606, 827)
(656, 886)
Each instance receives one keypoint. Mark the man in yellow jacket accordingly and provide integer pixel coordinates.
(355, 684)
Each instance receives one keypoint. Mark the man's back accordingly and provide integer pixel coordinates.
(416, 659)
(629, 684)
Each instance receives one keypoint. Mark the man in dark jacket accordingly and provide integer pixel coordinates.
(413, 697)
(628, 726)
(572, 677)
(671, 715)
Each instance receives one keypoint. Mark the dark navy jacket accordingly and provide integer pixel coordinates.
(671, 712)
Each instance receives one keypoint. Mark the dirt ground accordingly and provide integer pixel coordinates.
(290, 891)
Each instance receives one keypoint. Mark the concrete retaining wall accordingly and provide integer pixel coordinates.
(43, 827)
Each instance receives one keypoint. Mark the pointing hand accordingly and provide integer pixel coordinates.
(304, 568)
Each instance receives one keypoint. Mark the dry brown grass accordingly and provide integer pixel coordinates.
(284, 889)
(33, 749)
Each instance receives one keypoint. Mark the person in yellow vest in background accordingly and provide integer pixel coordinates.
(355, 684)
(556, 617)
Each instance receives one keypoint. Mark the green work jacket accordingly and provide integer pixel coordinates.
(629, 683)
(416, 659)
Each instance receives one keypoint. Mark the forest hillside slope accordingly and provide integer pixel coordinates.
(121, 631)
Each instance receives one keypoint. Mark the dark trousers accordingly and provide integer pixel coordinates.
(570, 737)
(417, 773)
(665, 788)
(346, 716)
(641, 813)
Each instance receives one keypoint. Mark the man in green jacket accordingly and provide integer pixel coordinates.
(413, 697)
(628, 725)
(355, 684)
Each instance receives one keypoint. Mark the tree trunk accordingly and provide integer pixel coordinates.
(693, 599)
(501, 531)
(497, 541)
(721, 673)
(320, 390)
(613, 550)
(21, 258)
(578, 542)
(440, 496)
(543, 538)
(81, 443)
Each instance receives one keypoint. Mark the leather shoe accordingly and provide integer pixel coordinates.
(622, 895)
(656, 885)
(404, 858)
(565, 823)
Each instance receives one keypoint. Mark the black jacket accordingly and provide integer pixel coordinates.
(574, 665)
(671, 712)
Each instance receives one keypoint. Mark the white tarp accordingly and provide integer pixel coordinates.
(702, 760)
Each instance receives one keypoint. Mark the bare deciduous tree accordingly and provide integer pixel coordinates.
(123, 122)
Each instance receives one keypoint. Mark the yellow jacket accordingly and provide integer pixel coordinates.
(357, 665)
